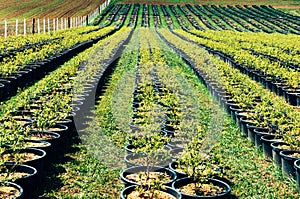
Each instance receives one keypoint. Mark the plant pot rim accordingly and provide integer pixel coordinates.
(142, 168)
(57, 136)
(275, 147)
(179, 196)
(48, 144)
(285, 154)
(227, 191)
(127, 159)
(24, 166)
(297, 164)
(17, 187)
(170, 166)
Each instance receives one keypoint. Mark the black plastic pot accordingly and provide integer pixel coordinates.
(266, 141)
(39, 144)
(53, 140)
(184, 181)
(234, 109)
(169, 130)
(137, 169)
(287, 162)
(64, 133)
(244, 123)
(275, 153)
(297, 172)
(70, 124)
(18, 187)
(174, 153)
(26, 114)
(129, 160)
(259, 133)
(2, 90)
(173, 166)
(24, 121)
(27, 182)
(251, 133)
(229, 103)
(175, 144)
(292, 98)
(37, 163)
(125, 192)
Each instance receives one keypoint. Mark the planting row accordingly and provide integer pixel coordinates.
(168, 112)
(38, 123)
(236, 18)
(257, 111)
(279, 78)
(31, 64)
(204, 17)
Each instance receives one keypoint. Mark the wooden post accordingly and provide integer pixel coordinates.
(5, 29)
(33, 25)
(69, 22)
(44, 25)
(24, 26)
(17, 23)
(39, 27)
(48, 25)
(53, 24)
(56, 24)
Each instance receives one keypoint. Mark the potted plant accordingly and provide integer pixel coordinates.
(201, 169)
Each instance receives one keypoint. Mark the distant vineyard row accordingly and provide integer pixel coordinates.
(238, 18)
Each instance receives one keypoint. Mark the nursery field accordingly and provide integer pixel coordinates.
(154, 102)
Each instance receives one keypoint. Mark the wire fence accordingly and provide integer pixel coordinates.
(38, 25)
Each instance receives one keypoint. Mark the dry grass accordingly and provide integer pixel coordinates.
(12, 9)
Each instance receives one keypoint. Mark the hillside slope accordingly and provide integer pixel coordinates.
(11, 9)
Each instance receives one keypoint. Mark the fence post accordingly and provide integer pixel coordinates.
(5, 29)
(33, 25)
(48, 25)
(24, 26)
(53, 24)
(39, 27)
(56, 24)
(61, 24)
(44, 25)
(17, 23)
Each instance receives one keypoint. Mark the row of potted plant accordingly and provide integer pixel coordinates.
(45, 108)
(27, 74)
(32, 55)
(150, 144)
(281, 80)
(13, 44)
(256, 63)
(274, 46)
(256, 111)
(146, 136)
